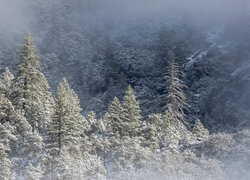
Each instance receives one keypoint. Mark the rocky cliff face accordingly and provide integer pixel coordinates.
(101, 54)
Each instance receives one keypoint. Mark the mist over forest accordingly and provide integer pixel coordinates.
(115, 89)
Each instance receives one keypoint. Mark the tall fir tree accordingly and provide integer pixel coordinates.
(115, 111)
(131, 113)
(65, 132)
(30, 90)
(177, 100)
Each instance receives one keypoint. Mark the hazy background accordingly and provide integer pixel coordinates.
(16, 15)
(210, 39)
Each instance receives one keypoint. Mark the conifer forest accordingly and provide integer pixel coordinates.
(124, 90)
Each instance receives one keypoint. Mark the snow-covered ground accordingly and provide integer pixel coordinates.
(195, 57)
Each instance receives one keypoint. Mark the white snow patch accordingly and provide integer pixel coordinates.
(195, 57)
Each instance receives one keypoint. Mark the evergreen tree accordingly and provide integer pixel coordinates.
(199, 130)
(17, 137)
(22, 140)
(131, 113)
(30, 90)
(115, 111)
(65, 132)
(177, 100)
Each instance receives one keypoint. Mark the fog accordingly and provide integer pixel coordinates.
(15, 17)
(70, 37)
(201, 12)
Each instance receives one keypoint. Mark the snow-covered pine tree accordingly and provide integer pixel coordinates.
(177, 100)
(115, 111)
(15, 121)
(17, 137)
(65, 129)
(199, 130)
(79, 165)
(131, 114)
(30, 90)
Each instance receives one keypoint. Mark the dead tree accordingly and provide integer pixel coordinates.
(177, 100)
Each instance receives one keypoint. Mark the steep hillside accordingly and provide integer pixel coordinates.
(100, 51)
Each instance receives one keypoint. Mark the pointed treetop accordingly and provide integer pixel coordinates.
(130, 97)
(65, 82)
(28, 35)
(131, 112)
(115, 100)
(8, 76)
(28, 39)
(114, 105)
(63, 85)
(199, 130)
(91, 117)
(130, 89)
(7, 72)
(30, 89)
(28, 52)
(114, 114)
(65, 91)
